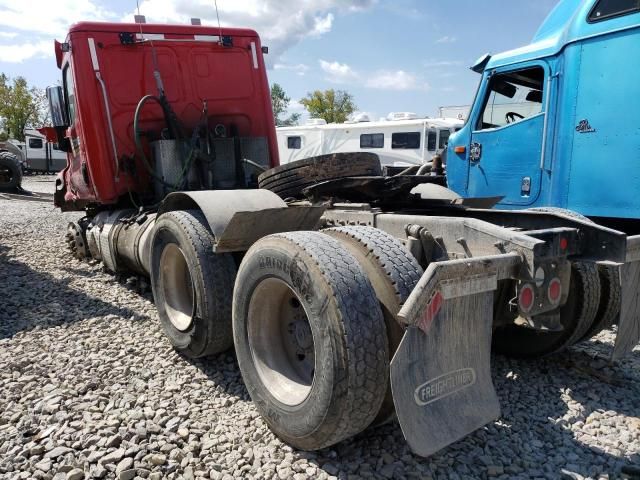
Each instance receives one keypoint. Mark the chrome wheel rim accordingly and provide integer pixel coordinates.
(177, 287)
(281, 341)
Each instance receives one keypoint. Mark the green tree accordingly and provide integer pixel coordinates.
(21, 106)
(280, 104)
(334, 106)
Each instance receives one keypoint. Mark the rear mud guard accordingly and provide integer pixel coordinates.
(440, 373)
(629, 320)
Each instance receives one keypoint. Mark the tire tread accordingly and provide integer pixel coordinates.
(368, 370)
(221, 269)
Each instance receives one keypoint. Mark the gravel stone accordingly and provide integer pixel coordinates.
(125, 464)
(113, 457)
(127, 474)
(57, 452)
(89, 382)
(75, 474)
(158, 459)
(43, 465)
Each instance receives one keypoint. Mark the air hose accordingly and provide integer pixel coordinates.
(174, 129)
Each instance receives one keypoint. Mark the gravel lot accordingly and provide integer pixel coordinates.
(90, 388)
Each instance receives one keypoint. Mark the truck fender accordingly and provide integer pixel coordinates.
(238, 218)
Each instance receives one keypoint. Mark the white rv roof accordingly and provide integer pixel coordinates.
(418, 123)
(32, 132)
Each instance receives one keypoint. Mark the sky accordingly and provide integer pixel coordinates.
(391, 55)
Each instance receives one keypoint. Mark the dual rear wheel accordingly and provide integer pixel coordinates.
(312, 318)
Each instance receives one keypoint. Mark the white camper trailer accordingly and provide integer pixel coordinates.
(39, 155)
(400, 141)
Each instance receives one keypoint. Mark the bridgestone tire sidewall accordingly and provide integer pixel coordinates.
(196, 341)
(311, 424)
(10, 161)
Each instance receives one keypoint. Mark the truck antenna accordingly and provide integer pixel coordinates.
(219, 27)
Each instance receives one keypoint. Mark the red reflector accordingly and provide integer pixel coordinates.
(434, 306)
(563, 243)
(525, 299)
(554, 291)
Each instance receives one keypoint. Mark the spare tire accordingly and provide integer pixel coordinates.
(10, 172)
(290, 179)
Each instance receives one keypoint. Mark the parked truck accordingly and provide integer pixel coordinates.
(349, 297)
(555, 123)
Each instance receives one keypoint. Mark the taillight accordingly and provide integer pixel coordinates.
(554, 291)
(526, 297)
(433, 308)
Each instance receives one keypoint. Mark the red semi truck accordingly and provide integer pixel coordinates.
(350, 297)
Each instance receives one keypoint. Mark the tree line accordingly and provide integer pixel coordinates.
(21, 106)
(334, 106)
(24, 106)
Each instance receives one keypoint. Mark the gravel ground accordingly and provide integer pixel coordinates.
(90, 388)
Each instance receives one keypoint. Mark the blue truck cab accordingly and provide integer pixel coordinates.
(557, 123)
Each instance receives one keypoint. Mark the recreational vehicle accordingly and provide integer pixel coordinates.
(401, 141)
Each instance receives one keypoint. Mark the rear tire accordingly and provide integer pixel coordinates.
(192, 286)
(393, 273)
(310, 339)
(576, 316)
(10, 172)
(290, 179)
(610, 297)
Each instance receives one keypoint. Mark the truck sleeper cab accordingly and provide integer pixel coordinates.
(212, 79)
(554, 124)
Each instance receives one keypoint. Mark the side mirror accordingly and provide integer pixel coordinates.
(57, 107)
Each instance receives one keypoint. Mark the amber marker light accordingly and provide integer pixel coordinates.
(460, 149)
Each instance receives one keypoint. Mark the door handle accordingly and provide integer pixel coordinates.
(475, 152)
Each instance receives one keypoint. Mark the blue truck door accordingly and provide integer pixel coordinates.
(507, 137)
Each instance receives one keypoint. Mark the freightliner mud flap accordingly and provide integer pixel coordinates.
(440, 373)
(629, 320)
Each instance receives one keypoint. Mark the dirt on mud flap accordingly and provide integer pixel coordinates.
(440, 373)
(629, 320)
